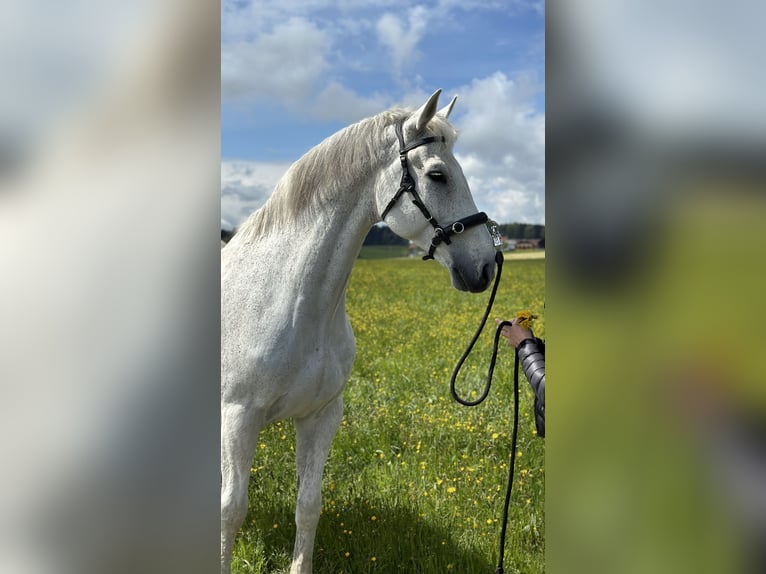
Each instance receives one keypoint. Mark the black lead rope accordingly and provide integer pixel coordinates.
(442, 234)
(488, 384)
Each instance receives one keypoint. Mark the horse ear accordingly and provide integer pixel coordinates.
(424, 114)
(445, 111)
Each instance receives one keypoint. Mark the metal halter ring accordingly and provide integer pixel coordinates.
(458, 227)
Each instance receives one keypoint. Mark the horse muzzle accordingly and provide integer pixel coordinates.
(472, 279)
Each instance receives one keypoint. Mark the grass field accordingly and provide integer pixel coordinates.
(414, 482)
(394, 251)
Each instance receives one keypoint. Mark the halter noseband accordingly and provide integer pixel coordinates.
(442, 233)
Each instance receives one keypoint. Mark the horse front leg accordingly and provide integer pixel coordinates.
(314, 435)
(239, 437)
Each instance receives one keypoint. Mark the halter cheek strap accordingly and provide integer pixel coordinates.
(442, 233)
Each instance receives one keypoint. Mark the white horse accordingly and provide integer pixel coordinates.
(287, 347)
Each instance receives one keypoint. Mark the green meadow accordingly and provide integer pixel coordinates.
(414, 482)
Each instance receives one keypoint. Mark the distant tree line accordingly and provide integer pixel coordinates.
(382, 235)
(522, 230)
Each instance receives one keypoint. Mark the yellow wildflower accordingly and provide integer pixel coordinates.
(525, 318)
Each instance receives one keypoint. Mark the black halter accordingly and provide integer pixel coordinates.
(442, 233)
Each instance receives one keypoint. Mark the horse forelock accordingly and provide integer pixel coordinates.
(331, 167)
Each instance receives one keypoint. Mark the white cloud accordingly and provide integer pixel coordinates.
(402, 39)
(337, 102)
(285, 64)
(502, 146)
(245, 186)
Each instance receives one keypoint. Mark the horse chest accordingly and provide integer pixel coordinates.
(306, 375)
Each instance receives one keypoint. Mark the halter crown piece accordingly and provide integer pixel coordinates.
(442, 233)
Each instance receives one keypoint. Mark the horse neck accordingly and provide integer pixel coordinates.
(325, 246)
(304, 241)
(332, 227)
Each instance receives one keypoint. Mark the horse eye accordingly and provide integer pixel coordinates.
(437, 176)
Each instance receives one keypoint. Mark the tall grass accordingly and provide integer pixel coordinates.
(414, 482)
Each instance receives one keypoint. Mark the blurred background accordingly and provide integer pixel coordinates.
(109, 218)
(655, 173)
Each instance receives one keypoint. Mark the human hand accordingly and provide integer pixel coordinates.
(515, 333)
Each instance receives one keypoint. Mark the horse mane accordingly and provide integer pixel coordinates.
(329, 168)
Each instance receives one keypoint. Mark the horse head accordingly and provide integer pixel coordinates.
(433, 206)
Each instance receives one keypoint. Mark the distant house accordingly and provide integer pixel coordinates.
(513, 244)
(414, 250)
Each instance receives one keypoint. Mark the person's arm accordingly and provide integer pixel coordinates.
(532, 359)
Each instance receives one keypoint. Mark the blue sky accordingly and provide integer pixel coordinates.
(295, 71)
